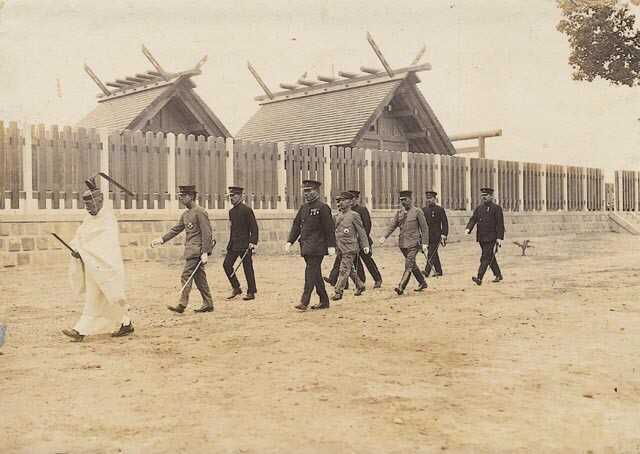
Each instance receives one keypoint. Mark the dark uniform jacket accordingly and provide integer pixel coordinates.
(350, 234)
(436, 218)
(413, 227)
(314, 226)
(199, 235)
(490, 221)
(243, 228)
(366, 219)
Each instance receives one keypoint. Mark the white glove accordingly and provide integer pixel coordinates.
(365, 250)
(157, 242)
(287, 247)
(252, 246)
(467, 231)
(332, 251)
(424, 248)
(204, 257)
(382, 240)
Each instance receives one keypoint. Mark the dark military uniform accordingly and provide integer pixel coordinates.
(243, 229)
(199, 240)
(436, 218)
(314, 226)
(490, 221)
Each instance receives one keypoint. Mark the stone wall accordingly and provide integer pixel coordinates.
(26, 239)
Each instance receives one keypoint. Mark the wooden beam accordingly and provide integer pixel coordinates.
(419, 56)
(401, 113)
(154, 62)
(137, 80)
(124, 82)
(370, 70)
(417, 135)
(202, 61)
(147, 77)
(378, 52)
(347, 75)
(475, 135)
(308, 83)
(326, 78)
(355, 78)
(288, 86)
(97, 80)
(116, 85)
(258, 79)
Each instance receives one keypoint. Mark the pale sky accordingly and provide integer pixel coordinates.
(498, 64)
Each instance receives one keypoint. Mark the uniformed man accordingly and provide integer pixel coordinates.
(314, 226)
(367, 258)
(436, 219)
(351, 237)
(243, 240)
(198, 245)
(413, 237)
(490, 233)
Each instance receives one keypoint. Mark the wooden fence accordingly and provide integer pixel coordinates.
(626, 188)
(44, 167)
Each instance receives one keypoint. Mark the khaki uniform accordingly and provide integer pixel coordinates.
(199, 240)
(351, 237)
(413, 234)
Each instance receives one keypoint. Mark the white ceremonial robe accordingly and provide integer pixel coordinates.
(100, 274)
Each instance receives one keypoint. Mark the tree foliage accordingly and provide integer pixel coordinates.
(604, 40)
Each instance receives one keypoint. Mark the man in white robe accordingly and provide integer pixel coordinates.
(97, 272)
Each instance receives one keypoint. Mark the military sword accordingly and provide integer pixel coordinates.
(241, 260)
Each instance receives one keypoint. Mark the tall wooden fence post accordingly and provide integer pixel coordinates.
(282, 177)
(229, 166)
(603, 191)
(620, 193)
(496, 179)
(636, 181)
(467, 184)
(543, 187)
(565, 189)
(404, 184)
(27, 168)
(520, 186)
(437, 176)
(368, 179)
(584, 189)
(104, 162)
(171, 173)
(327, 174)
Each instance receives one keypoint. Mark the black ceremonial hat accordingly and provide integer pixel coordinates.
(311, 184)
(187, 189)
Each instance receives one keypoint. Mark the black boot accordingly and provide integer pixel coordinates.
(403, 283)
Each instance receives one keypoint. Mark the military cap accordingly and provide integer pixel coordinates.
(406, 194)
(355, 193)
(486, 190)
(347, 195)
(311, 184)
(188, 189)
(431, 193)
(235, 190)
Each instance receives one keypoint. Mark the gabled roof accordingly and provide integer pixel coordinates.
(322, 118)
(339, 112)
(138, 99)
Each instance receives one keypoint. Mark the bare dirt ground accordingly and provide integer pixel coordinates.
(546, 361)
